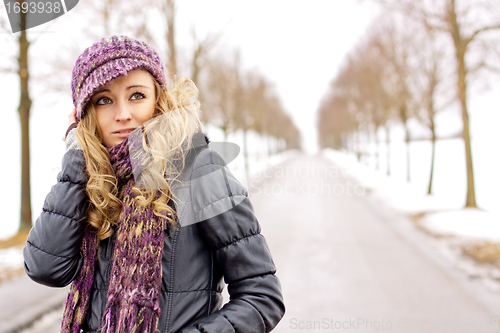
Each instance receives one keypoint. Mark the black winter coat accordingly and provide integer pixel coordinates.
(197, 257)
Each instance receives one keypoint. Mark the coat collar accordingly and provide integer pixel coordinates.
(200, 139)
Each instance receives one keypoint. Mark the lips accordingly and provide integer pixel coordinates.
(123, 131)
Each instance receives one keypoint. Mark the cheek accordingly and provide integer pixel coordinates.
(147, 112)
(103, 122)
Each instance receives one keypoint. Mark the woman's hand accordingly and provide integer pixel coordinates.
(72, 117)
(71, 120)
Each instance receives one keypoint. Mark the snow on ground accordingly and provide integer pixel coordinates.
(11, 261)
(468, 223)
(444, 212)
(9, 257)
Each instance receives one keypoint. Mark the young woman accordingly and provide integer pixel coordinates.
(145, 221)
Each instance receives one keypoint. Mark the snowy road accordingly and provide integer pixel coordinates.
(343, 267)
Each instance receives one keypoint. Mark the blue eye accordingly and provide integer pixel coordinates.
(138, 95)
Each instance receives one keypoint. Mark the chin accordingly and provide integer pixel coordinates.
(114, 142)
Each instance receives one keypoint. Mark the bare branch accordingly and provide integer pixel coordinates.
(495, 69)
(10, 66)
(477, 67)
(435, 27)
(478, 31)
(7, 70)
(143, 32)
(432, 21)
(4, 26)
(201, 51)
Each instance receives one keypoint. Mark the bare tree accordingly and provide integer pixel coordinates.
(169, 11)
(347, 86)
(24, 115)
(265, 112)
(236, 100)
(202, 49)
(395, 45)
(25, 102)
(371, 75)
(362, 85)
(334, 122)
(430, 84)
(467, 23)
(220, 106)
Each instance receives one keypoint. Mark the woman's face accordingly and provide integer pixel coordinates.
(124, 104)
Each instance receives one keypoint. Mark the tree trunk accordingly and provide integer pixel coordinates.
(172, 60)
(377, 150)
(432, 127)
(268, 146)
(368, 145)
(245, 155)
(358, 152)
(460, 50)
(471, 193)
(404, 119)
(365, 148)
(195, 67)
(350, 143)
(24, 116)
(407, 140)
(388, 144)
(429, 189)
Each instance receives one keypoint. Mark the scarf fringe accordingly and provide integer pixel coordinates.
(77, 302)
(137, 319)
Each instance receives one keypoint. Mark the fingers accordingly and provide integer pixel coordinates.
(71, 120)
(72, 117)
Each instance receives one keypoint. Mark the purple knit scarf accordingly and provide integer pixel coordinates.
(133, 302)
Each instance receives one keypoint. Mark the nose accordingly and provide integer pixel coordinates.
(122, 112)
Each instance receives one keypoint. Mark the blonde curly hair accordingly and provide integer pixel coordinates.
(165, 138)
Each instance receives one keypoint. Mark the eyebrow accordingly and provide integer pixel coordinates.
(128, 88)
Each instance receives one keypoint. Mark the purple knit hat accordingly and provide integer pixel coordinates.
(108, 59)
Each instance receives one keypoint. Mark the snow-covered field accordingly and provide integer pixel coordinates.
(11, 262)
(444, 213)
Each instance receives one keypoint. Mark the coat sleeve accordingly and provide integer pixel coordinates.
(233, 233)
(52, 254)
